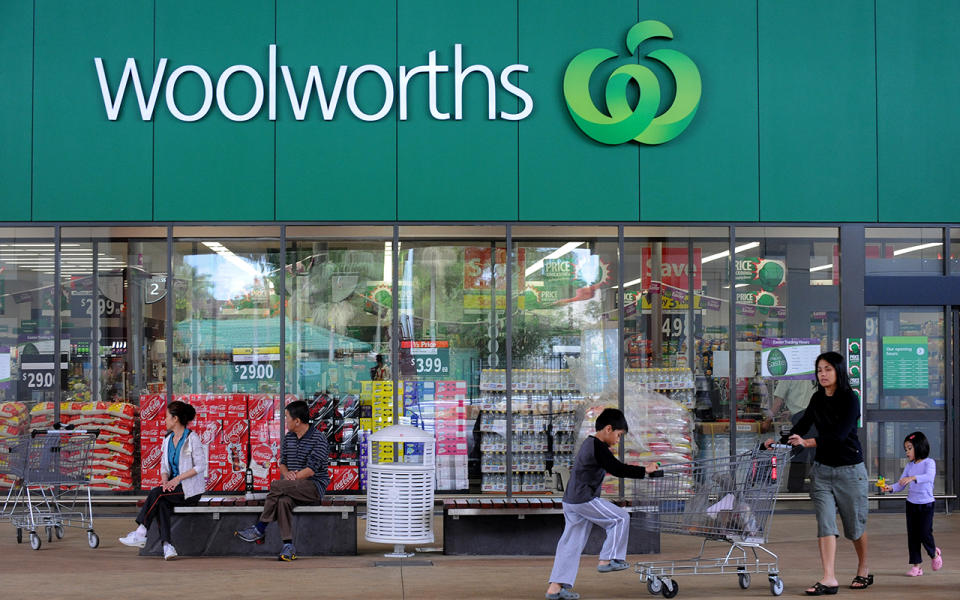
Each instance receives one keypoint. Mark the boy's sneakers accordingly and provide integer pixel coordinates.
(169, 552)
(134, 540)
(615, 565)
(915, 571)
(288, 552)
(937, 561)
(563, 594)
(250, 534)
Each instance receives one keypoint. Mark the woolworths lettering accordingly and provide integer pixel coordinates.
(328, 94)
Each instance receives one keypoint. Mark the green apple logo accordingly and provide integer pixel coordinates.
(624, 123)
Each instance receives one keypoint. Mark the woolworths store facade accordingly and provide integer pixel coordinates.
(555, 203)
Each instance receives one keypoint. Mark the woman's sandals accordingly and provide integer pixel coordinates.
(861, 583)
(818, 589)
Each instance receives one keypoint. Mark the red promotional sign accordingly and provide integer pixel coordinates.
(476, 268)
(673, 268)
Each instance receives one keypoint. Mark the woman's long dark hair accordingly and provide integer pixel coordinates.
(835, 360)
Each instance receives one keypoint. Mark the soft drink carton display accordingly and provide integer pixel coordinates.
(150, 479)
(262, 482)
(217, 453)
(263, 432)
(208, 430)
(237, 456)
(262, 407)
(235, 431)
(153, 428)
(343, 477)
(212, 406)
(222, 478)
(153, 407)
(236, 406)
(262, 458)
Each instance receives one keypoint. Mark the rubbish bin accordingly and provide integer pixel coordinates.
(400, 487)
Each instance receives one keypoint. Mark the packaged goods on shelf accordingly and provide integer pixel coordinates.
(14, 419)
(713, 439)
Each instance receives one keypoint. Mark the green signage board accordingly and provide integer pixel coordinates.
(905, 363)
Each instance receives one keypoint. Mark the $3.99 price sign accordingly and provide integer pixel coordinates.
(429, 358)
(256, 364)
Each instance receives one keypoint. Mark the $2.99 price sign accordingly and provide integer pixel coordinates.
(429, 358)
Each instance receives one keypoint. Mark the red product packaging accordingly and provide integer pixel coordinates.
(153, 407)
(263, 457)
(263, 483)
(233, 481)
(237, 457)
(216, 473)
(263, 432)
(343, 477)
(262, 407)
(208, 430)
(150, 479)
(235, 431)
(153, 429)
(236, 406)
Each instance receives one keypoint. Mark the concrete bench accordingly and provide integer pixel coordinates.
(328, 528)
(526, 526)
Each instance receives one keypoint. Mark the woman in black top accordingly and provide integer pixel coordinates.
(838, 477)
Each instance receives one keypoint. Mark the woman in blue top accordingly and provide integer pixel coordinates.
(919, 475)
(183, 472)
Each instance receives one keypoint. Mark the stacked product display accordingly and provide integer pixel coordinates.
(111, 466)
(14, 420)
(544, 408)
(337, 418)
(657, 405)
(439, 407)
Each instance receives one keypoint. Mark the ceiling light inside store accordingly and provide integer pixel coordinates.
(916, 248)
(232, 258)
(726, 253)
(561, 251)
(628, 284)
(821, 268)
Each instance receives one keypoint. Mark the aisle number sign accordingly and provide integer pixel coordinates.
(429, 357)
(256, 364)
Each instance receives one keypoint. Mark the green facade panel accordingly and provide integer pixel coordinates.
(85, 166)
(709, 171)
(344, 168)
(918, 82)
(563, 174)
(16, 73)
(818, 118)
(214, 168)
(451, 169)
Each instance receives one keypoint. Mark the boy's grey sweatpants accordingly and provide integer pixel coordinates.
(578, 521)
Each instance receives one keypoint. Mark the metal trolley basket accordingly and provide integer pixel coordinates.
(51, 473)
(728, 500)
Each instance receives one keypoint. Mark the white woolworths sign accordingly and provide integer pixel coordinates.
(329, 93)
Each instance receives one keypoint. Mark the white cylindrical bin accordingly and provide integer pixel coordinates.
(400, 489)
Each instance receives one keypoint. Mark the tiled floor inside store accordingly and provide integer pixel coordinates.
(70, 569)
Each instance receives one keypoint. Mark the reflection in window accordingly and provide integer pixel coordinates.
(904, 250)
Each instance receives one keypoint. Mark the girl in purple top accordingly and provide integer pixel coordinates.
(919, 474)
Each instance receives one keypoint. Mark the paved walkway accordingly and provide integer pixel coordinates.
(69, 569)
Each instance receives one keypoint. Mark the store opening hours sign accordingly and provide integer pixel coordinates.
(256, 364)
(428, 357)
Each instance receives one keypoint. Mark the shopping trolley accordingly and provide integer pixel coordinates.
(50, 469)
(729, 500)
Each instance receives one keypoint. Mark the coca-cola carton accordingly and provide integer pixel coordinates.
(150, 479)
(237, 457)
(153, 428)
(153, 407)
(263, 432)
(343, 477)
(263, 483)
(235, 431)
(263, 463)
(150, 457)
(236, 406)
(208, 430)
(233, 481)
(216, 474)
(217, 453)
(261, 407)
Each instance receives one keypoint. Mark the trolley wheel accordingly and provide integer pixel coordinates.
(49, 534)
(776, 586)
(654, 586)
(93, 539)
(34, 541)
(59, 531)
(19, 535)
(744, 579)
(670, 588)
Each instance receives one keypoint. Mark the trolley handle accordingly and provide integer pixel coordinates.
(68, 429)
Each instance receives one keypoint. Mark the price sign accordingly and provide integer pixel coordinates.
(81, 304)
(37, 372)
(155, 289)
(253, 372)
(429, 358)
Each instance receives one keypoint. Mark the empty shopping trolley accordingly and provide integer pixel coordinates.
(50, 473)
(728, 500)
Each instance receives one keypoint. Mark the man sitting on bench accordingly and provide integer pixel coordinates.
(303, 478)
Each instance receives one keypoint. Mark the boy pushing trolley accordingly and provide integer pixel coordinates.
(582, 506)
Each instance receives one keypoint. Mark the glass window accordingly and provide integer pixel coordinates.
(904, 250)
(565, 345)
(28, 375)
(885, 456)
(788, 303)
(905, 358)
(339, 307)
(955, 250)
(676, 341)
(452, 299)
